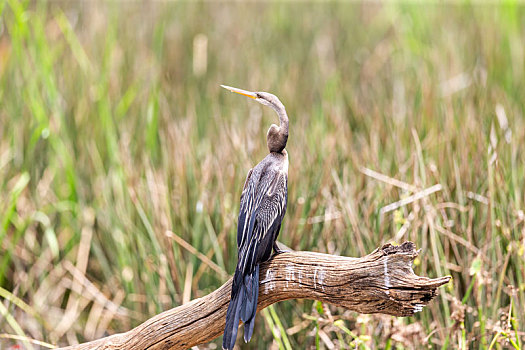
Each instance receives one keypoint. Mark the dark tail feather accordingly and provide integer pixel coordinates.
(234, 312)
(250, 309)
(243, 306)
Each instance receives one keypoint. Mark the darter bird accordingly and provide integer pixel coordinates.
(263, 205)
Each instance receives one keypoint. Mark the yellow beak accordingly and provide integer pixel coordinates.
(241, 92)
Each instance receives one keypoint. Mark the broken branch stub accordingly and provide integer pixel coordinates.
(381, 282)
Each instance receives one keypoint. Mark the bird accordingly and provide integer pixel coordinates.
(262, 208)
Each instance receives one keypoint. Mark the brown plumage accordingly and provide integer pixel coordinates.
(263, 205)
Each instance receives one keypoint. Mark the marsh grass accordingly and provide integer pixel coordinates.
(122, 161)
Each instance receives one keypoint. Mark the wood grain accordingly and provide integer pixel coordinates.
(381, 282)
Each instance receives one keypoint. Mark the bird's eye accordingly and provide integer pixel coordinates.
(257, 94)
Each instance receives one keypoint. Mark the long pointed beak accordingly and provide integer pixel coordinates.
(241, 92)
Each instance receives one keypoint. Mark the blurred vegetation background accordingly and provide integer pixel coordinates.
(122, 161)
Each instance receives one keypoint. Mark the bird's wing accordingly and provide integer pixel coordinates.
(268, 209)
(247, 192)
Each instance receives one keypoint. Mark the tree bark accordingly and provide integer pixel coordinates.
(381, 282)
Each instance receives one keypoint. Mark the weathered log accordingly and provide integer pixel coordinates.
(381, 282)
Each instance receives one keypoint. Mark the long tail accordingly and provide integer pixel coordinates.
(242, 307)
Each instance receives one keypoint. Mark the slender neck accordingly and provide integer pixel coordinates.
(283, 119)
(278, 136)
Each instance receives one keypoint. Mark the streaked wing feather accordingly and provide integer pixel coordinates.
(265, 220)
(247, 188)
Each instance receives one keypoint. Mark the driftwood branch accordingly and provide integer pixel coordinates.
(381, 282)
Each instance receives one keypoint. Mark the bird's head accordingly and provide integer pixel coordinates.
(262, 97)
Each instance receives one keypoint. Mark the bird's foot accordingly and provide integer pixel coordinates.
(280, 251)
(277, 250)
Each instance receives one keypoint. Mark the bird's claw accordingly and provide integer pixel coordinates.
(278, 250)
